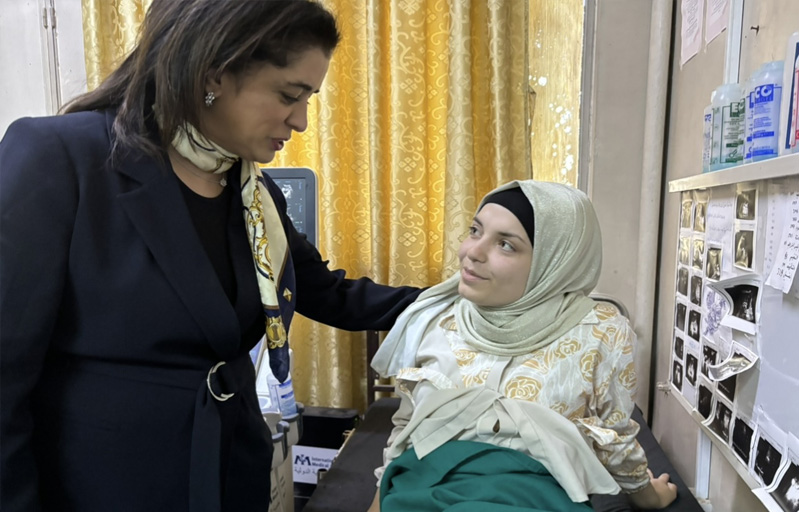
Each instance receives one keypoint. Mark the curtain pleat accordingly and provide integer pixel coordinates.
(110, 30)
(556, 64)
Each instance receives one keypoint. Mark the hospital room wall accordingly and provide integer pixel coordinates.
(690, 89)
(612, 150)
(40, 56)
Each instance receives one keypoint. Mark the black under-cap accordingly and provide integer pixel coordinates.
(517, 203)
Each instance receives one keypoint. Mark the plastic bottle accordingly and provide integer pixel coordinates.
(283, 393)
(749, 95)
(273, 395)
(715, 136)
(262, 388)
(767, 96)
(707, 135)
(729, 107)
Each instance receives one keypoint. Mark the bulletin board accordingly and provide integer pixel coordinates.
(735, 343)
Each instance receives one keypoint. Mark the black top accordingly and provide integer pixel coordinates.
(210, 218)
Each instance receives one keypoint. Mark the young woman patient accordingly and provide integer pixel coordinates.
(516, 388)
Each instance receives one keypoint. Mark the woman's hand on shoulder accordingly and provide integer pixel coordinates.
(658, 494)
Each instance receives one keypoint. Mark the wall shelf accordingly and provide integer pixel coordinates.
(780, 167)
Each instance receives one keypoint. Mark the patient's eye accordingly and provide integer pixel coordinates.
(506, 246)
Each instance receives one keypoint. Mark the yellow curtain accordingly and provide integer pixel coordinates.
(424, 110)
(556, 48)
(110, 30)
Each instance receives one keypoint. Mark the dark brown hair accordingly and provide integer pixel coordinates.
(181, 41)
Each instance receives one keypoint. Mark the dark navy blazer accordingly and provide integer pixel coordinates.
(111, 315)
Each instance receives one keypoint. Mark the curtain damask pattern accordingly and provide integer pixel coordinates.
(110, 29)
(556, 46)
(423, 111)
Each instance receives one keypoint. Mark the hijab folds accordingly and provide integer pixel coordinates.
(567, 257)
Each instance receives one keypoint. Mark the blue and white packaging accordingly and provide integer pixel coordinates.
(750, 107)
(765, 99)
(707, 137)
(273, 396)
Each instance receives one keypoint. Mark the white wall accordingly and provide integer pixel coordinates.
(618, 105)
(72, 65)
(22, 81)
(25, 62)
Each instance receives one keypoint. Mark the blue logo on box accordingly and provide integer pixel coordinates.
(764, 93)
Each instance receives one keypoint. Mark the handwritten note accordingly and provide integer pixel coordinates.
(720, 215)
(692, 13)
(717, 14)
(787, 257)
(776, 209)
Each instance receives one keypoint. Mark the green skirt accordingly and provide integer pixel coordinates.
(466, 476)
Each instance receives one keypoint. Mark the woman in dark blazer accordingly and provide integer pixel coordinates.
(135, 279)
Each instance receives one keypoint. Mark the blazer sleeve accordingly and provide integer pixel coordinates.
(329, 297)
(38, 201)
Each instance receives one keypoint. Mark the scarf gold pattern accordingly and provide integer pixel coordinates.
(264, 228)
(567, 257)
(203, 153)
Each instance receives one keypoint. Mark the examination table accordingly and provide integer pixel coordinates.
(349, 484)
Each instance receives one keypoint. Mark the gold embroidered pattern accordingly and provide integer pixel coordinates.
(627, 377)
(615, 418)
(605, 335)
(577, 414)
(566, 348)
(604, 385)
(605, 311)
(534, 364)
(260, 242)
(476, 379)
(464, 357)
(287, 294)
(275, 332)
(448, 323)
(588, 362)
(523, 388)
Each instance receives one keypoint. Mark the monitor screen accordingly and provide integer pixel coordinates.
(298, 185)
(294, 191)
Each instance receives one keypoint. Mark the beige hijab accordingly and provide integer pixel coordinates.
(567, 256)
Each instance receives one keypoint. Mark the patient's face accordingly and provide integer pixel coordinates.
(495, 258)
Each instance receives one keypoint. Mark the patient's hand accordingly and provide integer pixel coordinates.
(658, 494)
(375, 506)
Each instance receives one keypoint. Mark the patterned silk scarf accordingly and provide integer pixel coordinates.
(264, 231)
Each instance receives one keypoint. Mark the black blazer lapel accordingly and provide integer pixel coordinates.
(241, 253)
(156, 208)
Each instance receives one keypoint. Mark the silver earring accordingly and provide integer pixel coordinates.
(209, 98)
